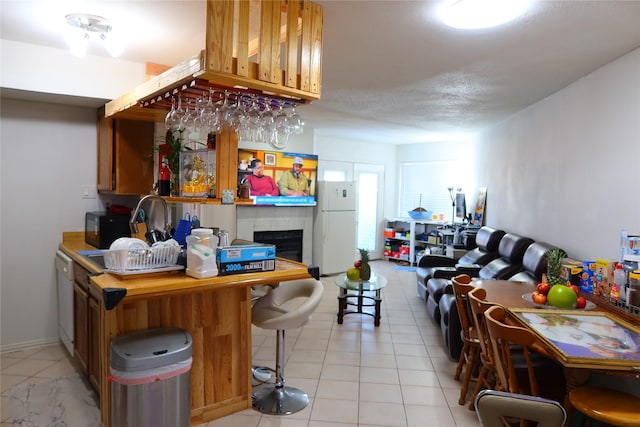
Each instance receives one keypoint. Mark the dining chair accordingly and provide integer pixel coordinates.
(607, 405)
(494, 406)
(539, 375)
(469, 356)
(487, 375)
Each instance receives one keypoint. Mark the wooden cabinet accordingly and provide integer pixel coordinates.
(125, 155)
(94, 343)
(81, 325)
(85, 326)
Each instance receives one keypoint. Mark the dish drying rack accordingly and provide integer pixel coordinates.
(153, 258)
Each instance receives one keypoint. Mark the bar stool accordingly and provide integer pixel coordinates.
(607, 405)
(279, 310)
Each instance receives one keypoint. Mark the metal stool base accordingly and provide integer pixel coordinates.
(276, 400)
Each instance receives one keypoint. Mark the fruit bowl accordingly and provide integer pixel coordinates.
(529, 299)
(420, 214)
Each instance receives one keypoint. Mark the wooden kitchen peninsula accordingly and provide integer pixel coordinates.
(215, 311)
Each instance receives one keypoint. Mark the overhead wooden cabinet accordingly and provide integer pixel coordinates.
(269, 48)
(125, 155)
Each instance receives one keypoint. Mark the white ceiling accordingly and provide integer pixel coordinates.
(391, 71)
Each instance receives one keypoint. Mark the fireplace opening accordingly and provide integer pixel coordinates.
(288, 243)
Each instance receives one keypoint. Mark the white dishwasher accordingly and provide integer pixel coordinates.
(64, 269)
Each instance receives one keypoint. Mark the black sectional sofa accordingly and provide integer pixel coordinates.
(517, 258)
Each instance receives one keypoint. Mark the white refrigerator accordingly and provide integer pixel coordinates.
(334, 230)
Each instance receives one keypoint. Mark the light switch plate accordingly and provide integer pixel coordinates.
(89, 192)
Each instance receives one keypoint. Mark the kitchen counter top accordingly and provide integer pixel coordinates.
(175, 281)
(215, 311)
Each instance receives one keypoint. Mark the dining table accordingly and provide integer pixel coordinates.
(584, 342)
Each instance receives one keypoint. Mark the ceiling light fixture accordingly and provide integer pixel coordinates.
(475, 14)
(82, 26)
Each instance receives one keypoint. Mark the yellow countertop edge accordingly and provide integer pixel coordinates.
(175, 282)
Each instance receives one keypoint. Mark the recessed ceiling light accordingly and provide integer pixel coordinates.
(475, 14)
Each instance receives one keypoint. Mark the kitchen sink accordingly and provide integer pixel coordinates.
(96, 258)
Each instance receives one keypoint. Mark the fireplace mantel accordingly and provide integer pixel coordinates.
(271, 218)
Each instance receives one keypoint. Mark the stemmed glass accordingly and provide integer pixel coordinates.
(176, 116)
(266, 122)
(280, 134)
(168, 119)
(244, 106)
(253, 120)
(191, 125)
(209, 116)
(296, 124)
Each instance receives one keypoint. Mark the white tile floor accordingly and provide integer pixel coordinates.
(355, 374)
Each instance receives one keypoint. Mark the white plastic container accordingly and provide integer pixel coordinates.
(201, 253)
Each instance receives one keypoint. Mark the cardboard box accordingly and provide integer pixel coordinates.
(226, 268)
(250, 252)
(571, 271)
(587, 279)
(604, 277)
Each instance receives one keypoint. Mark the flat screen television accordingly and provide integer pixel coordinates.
(296, 186)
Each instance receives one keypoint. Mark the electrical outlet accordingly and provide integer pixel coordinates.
(89, 192)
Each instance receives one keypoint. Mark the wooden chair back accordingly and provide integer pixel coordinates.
(502, 338)
(461, 288)
(478, 305)
(494, 406)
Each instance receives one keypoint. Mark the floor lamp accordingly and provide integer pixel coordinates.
(453, 204)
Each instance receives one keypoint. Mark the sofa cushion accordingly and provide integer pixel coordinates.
(438, 266)
(487, 240)
(450, 325)
(511, 249)
(534, 263)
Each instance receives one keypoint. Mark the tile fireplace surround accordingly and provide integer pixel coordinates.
(270, 218)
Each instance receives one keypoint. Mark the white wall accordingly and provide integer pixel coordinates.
(567, 169)
(363, 152)
(47, 153)
(47, 70)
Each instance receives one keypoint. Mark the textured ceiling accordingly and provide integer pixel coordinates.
(391, 71)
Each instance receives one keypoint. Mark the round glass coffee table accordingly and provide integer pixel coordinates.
(352, 293)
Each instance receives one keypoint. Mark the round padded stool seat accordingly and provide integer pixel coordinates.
(288, 306)
(607, 405)
(278, 308)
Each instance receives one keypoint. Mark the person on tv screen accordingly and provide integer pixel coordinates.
(293, 182)
(259, 184)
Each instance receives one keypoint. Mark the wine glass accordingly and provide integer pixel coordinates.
(266, 122)
(209, 117)
(244, 106)
(190, 124)
(296, 124)
(168, 119)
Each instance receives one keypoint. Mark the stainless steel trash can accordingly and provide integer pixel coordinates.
(151, 378)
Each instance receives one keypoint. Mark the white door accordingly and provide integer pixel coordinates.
(370, 200)
(370, 183)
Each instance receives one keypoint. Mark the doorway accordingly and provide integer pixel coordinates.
(369, 182)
